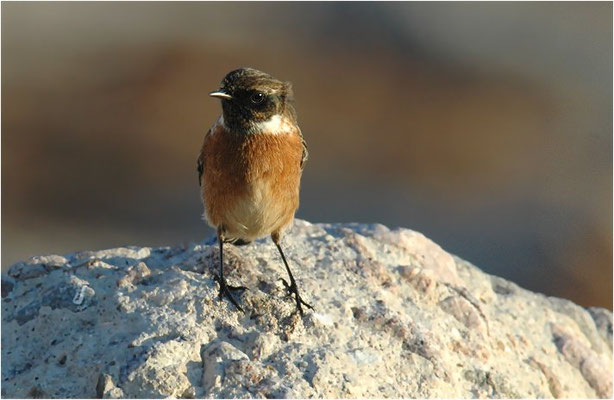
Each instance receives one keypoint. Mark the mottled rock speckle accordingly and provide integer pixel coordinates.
(395, 316)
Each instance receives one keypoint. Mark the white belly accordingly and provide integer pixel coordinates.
(256, 215)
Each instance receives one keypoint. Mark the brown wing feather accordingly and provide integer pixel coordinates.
(305, 155)
(201, 161)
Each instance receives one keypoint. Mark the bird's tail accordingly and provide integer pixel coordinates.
(240, 242)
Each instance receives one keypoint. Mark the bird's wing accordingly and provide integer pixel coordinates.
(305, 155)
(200, 163)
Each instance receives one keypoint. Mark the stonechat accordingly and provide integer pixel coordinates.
(250, 167)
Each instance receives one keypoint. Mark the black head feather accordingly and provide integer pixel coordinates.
(255, 96)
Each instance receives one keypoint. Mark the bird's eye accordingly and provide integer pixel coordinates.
(257, 97)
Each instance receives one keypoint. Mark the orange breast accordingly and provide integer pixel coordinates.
(251, 182)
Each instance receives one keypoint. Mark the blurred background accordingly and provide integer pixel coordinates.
(486, 126)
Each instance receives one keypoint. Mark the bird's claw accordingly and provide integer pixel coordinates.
(300, 301)
(293, 290)
(225, 290)
(286, 285)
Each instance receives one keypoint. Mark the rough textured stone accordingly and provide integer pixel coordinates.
(395, 316)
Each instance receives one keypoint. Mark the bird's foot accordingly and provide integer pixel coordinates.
(226, 290)
(293, 289)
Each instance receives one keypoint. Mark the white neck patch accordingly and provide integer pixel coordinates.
(219, 122)
(276, 125)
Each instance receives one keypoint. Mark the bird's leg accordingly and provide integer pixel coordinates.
(292, 288)
(225, 289)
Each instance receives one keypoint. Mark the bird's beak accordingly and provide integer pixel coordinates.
(220, 95)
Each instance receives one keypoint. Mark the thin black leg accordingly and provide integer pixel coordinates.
(292, 288)
(224, 288)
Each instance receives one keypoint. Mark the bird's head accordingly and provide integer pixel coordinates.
(251, 98)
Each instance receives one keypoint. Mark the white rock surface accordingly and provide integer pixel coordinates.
(395, 316)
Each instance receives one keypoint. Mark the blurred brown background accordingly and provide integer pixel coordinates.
(486, 126)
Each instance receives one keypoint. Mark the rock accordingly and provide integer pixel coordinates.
(595, 369)
(603, 320)
(134, 275)
(106, 389)
(395, 316)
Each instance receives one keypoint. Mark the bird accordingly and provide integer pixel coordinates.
(250, 167)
